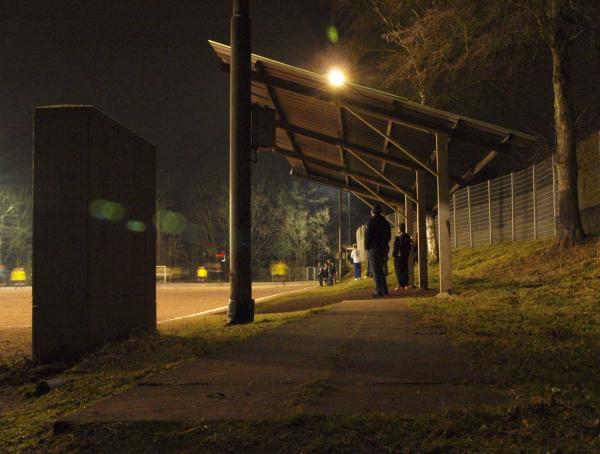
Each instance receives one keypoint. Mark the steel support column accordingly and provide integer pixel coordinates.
(409, 216)
(441, 146)
(241, 304)
(422, 230)
(340, 243)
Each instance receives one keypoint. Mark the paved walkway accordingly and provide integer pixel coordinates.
(359, 356)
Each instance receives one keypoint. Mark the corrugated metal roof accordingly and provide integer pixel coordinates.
(323, 133)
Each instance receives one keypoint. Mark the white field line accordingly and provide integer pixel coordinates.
(224, 308)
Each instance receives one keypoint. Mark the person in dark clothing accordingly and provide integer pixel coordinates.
(330, 272)
(377, 244)
(401, 254)
(322, 274)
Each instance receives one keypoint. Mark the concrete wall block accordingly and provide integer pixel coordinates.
(93, 234)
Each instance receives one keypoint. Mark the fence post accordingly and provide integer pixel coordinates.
(534, 201)
(512, 205)
(553, 195)
(454, 220)
(470, 223)
(489, 185)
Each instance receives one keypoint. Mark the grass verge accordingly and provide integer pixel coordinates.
(28, 411)
(528, 313)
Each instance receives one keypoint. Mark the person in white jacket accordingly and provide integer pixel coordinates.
(356, 259)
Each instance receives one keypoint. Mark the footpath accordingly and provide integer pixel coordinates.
(359, 356)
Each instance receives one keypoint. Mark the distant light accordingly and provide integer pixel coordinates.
(336, 78)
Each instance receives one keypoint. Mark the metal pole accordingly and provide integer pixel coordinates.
(454, 220)
(443, 197)
(408, 216)
(489, 185)
(554, 195)
(241, 304)
(350, 242)
(512, 206)
(469, 211)
(534, 202)
(421, 229)
(340, 260)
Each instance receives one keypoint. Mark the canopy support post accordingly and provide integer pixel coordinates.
(392, 141)
(340, 246)
(404, 191)
(441, 144)
(422, 230)
(409, 207)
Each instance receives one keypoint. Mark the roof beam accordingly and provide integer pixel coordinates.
(390, 201)
(406, 192)
(386, 146)
(344, 170)
(342, 136)
(377, 196)
(282, 116)
(393, 142)
(398, 162)
(370, 205)
(501, 139)
(470, 174)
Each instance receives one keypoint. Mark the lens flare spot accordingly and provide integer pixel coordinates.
(136, 226)
(107, 210)
(332, 34)
(170, 222)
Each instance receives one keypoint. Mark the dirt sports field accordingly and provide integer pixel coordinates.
(173, 302)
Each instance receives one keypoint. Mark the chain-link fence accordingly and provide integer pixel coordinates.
(516, 207)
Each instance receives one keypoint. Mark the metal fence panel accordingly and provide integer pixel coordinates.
(501, 209)
(514, 207)
(480, 226)
(544, 199)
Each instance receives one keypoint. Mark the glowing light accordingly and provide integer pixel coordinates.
(136, 226)
(332, 34)
(336, 78)
(107, 210)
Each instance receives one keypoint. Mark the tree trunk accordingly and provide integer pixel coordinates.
(432, 238)
(569, 227)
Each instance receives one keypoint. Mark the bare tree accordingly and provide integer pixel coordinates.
(457, 53)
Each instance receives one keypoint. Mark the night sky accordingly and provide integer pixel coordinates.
(145, 63)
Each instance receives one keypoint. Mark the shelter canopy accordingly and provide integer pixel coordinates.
(370, 142)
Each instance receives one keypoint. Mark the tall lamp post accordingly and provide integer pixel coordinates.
(241, 304)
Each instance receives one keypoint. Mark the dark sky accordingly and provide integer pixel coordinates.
(145, 63)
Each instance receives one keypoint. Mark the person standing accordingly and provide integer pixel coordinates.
(322, 274)
(401, 254)
(356, 261)
(377, 243)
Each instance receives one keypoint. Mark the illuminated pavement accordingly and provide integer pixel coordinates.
(357, 356)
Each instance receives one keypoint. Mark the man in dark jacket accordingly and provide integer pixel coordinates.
(401, 254)
(377, 244)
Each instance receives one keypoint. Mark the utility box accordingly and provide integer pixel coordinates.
(94, 191)
(263, 127)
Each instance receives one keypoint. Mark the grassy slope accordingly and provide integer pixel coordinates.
(531, 317)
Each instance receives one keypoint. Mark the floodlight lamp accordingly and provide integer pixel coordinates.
(336, 78)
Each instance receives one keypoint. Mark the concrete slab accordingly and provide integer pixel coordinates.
(360, 356)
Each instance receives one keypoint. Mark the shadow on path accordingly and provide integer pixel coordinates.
(359, 356)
